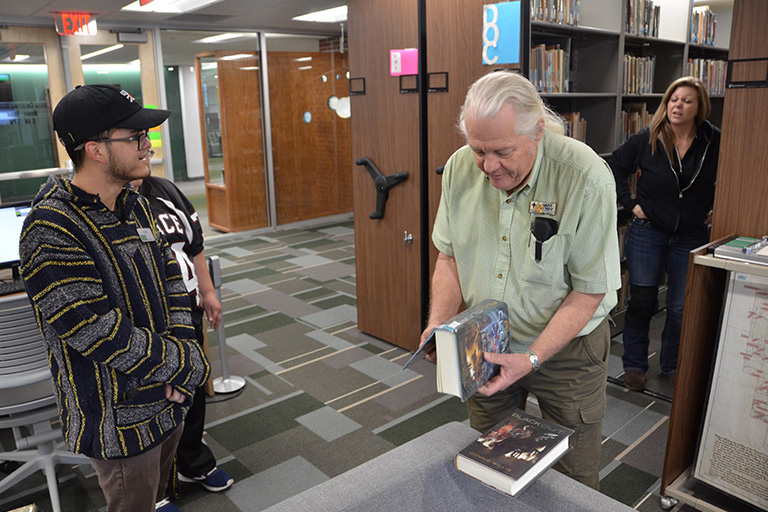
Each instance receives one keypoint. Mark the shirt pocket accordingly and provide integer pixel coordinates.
(549, 270)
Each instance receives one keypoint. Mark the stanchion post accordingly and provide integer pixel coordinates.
(226, 383)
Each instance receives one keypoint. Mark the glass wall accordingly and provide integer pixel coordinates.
(26, 134)
(113, 64)
(309, 115)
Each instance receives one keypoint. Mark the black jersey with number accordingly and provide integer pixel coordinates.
(177, 220)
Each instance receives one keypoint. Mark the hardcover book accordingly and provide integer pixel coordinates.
(515, 452)
(460, 343)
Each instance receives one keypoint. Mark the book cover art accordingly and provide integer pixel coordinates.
(482, 328)
(516, 444)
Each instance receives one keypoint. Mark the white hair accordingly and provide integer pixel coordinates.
(490, 93)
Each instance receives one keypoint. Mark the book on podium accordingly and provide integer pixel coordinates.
(515, 452)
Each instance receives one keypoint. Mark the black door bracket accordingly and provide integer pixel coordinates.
(382, 184)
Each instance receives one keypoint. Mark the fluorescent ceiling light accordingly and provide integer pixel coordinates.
(238, 56)
(303, 59)
(19, 57)
(101, 52)
(169, 6)
(111, 68)
(225, 37)
(333, 15)
(302, 68)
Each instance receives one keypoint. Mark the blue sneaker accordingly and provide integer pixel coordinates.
(166, 506)
(215, 480)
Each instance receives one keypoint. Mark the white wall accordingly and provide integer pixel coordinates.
(190, 116)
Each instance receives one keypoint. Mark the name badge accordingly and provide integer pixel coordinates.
(543, 208)
(146, 235)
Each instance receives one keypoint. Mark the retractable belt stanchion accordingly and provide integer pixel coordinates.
(226, 383)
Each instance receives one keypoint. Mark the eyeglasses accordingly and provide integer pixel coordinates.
(142, 139)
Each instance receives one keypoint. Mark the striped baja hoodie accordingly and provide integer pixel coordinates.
(111, 304)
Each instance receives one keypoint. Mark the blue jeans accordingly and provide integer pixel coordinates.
(649, 252)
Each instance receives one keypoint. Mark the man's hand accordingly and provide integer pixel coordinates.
(212, 308)
(513, 367)
(173, 395)
(429, 353)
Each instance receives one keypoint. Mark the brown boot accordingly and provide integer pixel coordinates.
(634, 380)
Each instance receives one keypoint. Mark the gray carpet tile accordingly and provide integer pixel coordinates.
(328, 424)
(331, 316)
(275, 484)
(273, 300)
(244, 286)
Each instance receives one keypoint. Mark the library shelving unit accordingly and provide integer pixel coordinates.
(596, 49)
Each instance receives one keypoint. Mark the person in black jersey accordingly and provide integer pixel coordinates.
(178, 221)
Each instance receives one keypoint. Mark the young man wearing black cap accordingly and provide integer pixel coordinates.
(111, 302)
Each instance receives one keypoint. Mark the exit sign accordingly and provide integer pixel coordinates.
(75, 23)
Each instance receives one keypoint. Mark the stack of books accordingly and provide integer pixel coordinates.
(703, 26)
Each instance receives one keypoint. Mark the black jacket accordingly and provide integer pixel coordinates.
(668, 203)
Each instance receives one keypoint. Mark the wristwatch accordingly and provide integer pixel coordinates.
(533, 358)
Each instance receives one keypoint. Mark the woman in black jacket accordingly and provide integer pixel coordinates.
(676, 162)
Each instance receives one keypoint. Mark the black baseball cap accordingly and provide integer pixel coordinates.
(89, 110)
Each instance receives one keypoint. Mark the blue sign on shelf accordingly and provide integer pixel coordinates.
(501, 33)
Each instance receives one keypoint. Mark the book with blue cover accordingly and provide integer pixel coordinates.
(460, 343)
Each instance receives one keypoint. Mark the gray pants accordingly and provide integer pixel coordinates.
(137, 483)
(570, 388)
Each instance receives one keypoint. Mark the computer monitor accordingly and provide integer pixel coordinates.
(11, 220)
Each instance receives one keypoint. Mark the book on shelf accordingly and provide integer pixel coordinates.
(515, 452)
(575, 126)
(744, 249)
(563, 12)
(710, 71)
(638, 74)
(703, 26)
(460, 343)
(634, 117)
(549, 67)
(642, 18)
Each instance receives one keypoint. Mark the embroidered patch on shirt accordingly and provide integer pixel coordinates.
(543, 208)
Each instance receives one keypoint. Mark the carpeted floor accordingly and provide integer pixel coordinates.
(322, 397)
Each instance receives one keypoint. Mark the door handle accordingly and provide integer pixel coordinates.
(407, 238)
(382, 184)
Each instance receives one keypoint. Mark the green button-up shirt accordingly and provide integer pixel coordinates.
(489, 234)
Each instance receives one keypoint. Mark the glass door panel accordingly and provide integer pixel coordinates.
(26, 134)
(209, 86)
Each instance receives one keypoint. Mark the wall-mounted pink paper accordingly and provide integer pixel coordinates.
(404, 62)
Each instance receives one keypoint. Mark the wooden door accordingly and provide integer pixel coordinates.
(385, 128)
(233, 147)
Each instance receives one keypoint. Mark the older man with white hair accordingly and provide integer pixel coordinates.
(528, 216)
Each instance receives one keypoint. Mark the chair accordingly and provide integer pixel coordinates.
(27, 401)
